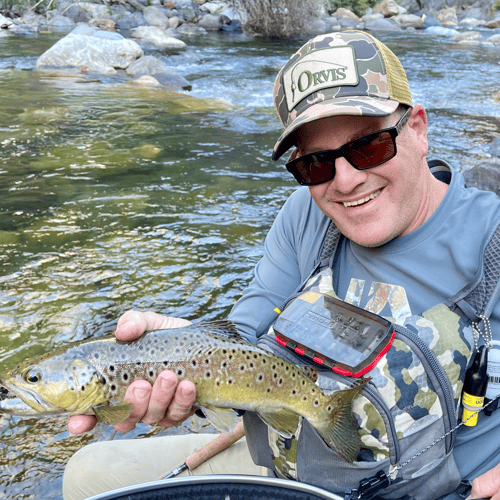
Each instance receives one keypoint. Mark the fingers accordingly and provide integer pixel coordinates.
(133, 324)
(171, 401)
(138, 393)
(77, 424)
(168, 403)
(487, 485)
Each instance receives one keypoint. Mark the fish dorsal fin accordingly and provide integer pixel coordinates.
(114, 414)
(224, 328)
(224, 419)
(281, 420)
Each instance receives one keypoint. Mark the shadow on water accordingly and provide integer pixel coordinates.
(115, 197)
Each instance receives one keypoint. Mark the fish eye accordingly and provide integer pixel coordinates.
(32, 376)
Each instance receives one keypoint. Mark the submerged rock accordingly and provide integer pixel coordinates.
(153, 67)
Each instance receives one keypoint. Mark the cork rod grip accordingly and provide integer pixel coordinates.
(220, 443)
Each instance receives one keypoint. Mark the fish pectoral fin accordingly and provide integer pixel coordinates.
(114, 414)
(282, 420)
(224, 419)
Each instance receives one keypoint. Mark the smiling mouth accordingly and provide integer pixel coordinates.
(362, 200)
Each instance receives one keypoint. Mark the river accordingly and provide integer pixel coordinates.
(115, 197)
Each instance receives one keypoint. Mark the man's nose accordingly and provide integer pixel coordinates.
(347, 178)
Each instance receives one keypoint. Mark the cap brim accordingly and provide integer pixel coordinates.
(356, 105)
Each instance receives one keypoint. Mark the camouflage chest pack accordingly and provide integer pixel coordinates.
(407, 412)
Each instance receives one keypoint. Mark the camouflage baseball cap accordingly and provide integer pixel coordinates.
(347, 73)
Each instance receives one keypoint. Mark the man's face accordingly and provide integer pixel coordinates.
(371, 207)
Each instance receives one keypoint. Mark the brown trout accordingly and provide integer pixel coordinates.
(229, 373)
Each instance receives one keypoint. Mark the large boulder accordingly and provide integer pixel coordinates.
(94, 49)
(152, 66)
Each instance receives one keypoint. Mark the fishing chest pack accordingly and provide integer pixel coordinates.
(408, 411)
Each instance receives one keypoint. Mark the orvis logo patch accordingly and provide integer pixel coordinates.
(316, 71)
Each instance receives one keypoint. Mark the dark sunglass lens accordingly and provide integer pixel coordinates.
(315, 171)
(376, 149)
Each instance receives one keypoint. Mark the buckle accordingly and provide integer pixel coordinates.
(368, 488)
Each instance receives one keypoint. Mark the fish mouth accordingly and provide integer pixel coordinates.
(21, 401)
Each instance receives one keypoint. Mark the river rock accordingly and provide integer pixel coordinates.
(430, 21)
(77, 14)
(409, 21)
(472, 37)
(342, 13)
(191, 29)
(101, 51)
(494, 23)
(214, 7)
(387, 8)
(61, 23)
(494, 147)
(441, 31)
(152, 35)
(152, 66)
(448, 16)
(494, 39)
(472, 21)
(367, 18)
(155, 16)
(383, 25)
(5, 22)
(131, 21)
(145, 81)
(484, 176)
(211, 22)
(174, 22)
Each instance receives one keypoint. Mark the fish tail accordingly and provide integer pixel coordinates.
(340, 429)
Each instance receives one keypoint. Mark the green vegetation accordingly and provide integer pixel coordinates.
(359, 7)
(496, 6)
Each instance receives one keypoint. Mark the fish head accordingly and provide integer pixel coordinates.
(51, 385)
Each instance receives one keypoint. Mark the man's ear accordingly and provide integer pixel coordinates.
(418, 126)
(295, 154)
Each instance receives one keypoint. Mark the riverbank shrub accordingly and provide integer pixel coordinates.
(359, 7)
(276, 18)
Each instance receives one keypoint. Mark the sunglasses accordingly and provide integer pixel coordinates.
(366, 152)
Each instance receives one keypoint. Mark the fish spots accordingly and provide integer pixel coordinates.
(242, 368)
(151, 374)
(316, 403)
(207, 374)
(194, 363)
(111, 369)
(180, 372)
(125, 377)
(260, 377)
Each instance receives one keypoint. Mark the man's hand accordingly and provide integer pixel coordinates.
(168, 402)
(487, 485)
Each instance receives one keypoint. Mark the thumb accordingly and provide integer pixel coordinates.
(487, 485)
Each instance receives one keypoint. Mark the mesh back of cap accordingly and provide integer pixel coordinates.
(396, 76)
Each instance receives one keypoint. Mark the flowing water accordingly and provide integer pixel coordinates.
(115, 197)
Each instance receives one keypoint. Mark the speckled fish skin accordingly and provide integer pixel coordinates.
(229, 373)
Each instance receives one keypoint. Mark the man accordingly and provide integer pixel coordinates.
(411, 240)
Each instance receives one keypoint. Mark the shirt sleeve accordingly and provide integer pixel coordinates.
(290, 249)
